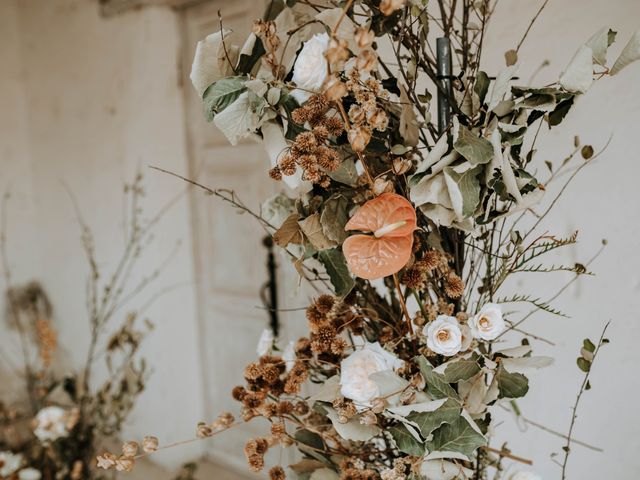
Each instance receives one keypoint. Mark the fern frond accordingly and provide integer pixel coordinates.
(578, 269)
(537, 302)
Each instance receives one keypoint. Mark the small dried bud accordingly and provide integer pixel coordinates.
(277, 473)
(368, 418)
(407, 396)
(107, 460)
(401, 165)
(149, 444)
(418, 382)
(364, 37)
(335, 89)
(203, 430)
(382, 185)
(125, 464)
(377, 405)
(387, 7)
(337, 51)
(225, 419)
(130, 449)
(366, 60)
(359, 138)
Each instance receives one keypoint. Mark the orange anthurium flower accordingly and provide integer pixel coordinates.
(392, 219)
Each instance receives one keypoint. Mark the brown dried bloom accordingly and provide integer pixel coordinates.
(149, 444)
(277, 473)
(253, 399)
(359, 138)
(47, 341)
(203, 430)
(238, 393)
(253, 371)
(335, 89)
(301, 408)
(124, 464)
(324, 303)
(453, 286)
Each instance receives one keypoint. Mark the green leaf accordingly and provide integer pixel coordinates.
(405, 441)
(588, 345)
(464, 190)
(583, 364)
(477, 150)
(336, 266)
(511, 385)
(437, 386)
(240, 118)
(481, 86)
(346, 173)
(219, 95)
(429, 421)
(458, 436)
(461, 370)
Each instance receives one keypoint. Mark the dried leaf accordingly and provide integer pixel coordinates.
(289, 232)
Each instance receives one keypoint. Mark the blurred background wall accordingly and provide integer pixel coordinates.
(86, 101)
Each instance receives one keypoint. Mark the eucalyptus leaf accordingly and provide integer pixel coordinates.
(346, 173)
(239, 119)
(429, 421)
(405, 441)
(511, 385)
(221, 94)
(464, 190)
(457, 436)
(437, 386)
(481, 86)
(476, 149)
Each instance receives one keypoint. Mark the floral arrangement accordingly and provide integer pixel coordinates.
(53, 426)
(407, 226)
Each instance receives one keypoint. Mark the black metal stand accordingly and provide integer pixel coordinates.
(269, 292)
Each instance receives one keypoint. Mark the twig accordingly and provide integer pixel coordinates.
(583, 386)
(507, 454)
(533, 20)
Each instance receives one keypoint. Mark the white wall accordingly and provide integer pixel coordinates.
(603, 202)
(87, 101)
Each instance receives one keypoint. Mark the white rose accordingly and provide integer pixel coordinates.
(51, 424)
(310, 69)
(356, 369)
(444, 335)
(265, 344)
(488, 323)
(523, 475)
(9, 463)
(29, 474)
(289, 355)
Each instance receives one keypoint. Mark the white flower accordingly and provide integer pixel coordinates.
(289, 355)
(265, 344)
(444, 335)
(523, 475)
(488, 323)
(9, 463)
(51, 424)
(310, 69)
(29, 474)
(356, 369)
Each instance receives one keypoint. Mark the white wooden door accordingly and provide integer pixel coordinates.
(229, 255)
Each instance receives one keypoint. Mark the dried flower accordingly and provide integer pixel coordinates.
(149, 444)
(203, 430)
(107, 460)
(387, 7)
(130, 449)
(124, 464)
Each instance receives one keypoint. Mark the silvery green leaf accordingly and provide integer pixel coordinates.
(346, 173)
(328, 391)
(353, 429)
(462, 369)
(508, 177)
(444, 470)
(210, 62)
(481, 87)
(222, 93)
(273, 96)
(435, 154)
(473, 392)
(429, 406)
(257, 86)
(427, 422)
(476, 149)
(501, 86)
(578, 76)
(511, 385)
(526, 364)
(439, 214)
(464, 190)
(405, 441)
(431, 189)
(457, 436)
(239, 119)
(599, 43)
(516, 352)
(437, 386)
(630, 53)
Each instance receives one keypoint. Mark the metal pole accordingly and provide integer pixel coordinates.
(443, 51)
